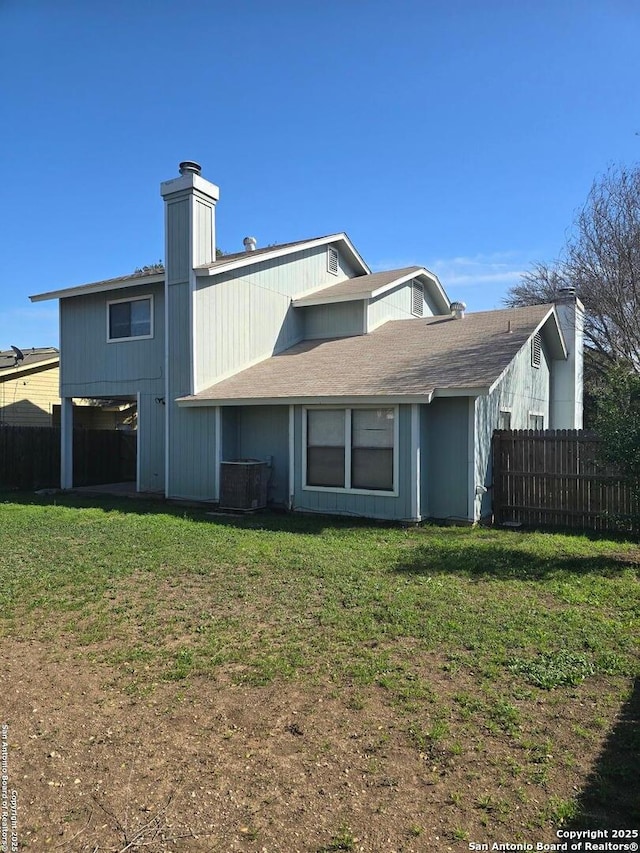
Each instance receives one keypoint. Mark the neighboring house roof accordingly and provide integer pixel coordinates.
(372, 285)
(33, 357)
(224, 263)
(403, 360)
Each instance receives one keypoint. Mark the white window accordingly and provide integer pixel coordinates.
(536, 350)
(536, 420)
(130, 319)
(351, 449)
(417, 299)
(332, 260)
(504, 419)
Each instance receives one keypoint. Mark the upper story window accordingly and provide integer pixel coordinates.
(130, 319)
(417, 299)
(332, 260)
(536, 350)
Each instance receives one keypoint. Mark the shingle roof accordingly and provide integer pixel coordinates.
(362, 285)
(32, 357)
(233, 256)
(403, 358)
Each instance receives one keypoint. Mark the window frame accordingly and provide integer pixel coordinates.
(504, 410)
(110, 302)
(535, 415)
(347, 488)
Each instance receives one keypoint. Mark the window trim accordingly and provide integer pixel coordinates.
(347, 488)
(111, 302)
(530, 415)
(505, 410)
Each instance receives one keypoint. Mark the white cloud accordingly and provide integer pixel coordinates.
(482, 279)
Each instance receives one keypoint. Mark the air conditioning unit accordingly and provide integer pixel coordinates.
(243, 484)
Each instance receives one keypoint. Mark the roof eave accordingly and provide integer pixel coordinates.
(307, 400)
(98, 287)
(24, 368)
(437, 290)
(251, 258)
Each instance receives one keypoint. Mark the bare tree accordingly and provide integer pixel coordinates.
(602, 262)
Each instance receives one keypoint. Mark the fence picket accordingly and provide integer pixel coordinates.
(555, 478)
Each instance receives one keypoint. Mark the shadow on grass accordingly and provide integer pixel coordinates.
(272, 520)
(487, 559)
(611, 798)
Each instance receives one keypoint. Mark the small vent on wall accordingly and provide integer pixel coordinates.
(536, 350)
(332, 260)
(417, 299)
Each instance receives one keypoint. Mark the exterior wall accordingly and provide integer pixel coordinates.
(28, 398)
(262, 432)
(394, 305)
(445, 459)
(246, 315)
(91, 367)
(567, 375)
(364, 505)
(150, 444)
(334, 320)
(522, 389)
(190, 471)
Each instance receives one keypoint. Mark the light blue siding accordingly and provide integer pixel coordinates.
(262, 432)
(394, 305)
(151, 414)
(246, 315)
(334, 320)
(192, 442)
(178, 242)
(364, 505)
(445, 458)
(523, 389)
(91, 367)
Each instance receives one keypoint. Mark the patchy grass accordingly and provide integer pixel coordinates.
(471, 638)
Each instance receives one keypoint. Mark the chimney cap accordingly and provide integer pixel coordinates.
(567, 292)
(249, 244)
(190, 166)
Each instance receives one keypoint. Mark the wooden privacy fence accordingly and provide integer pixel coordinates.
(30, 457)
(555, 478)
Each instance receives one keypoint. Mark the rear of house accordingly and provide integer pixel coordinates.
(364, 393)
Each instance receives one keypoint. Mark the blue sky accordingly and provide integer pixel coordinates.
(454, 134)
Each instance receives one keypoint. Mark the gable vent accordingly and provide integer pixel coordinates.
(536, 350)
(332, 260)
(417, 299)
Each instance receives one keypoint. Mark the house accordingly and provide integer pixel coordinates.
(28, 386)
(367, 393)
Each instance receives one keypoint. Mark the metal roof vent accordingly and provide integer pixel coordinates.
(249, 244)
(457, 309)
(189, 166)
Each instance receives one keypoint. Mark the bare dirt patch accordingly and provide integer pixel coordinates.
(207, 765)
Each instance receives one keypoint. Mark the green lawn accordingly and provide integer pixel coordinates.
(478, 627)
